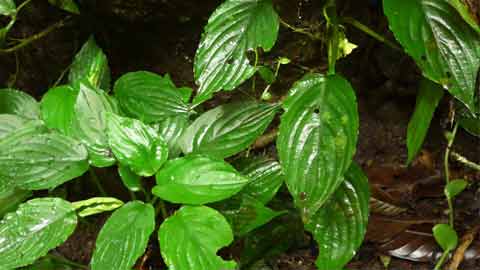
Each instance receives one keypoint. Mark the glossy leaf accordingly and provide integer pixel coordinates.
(340, 225)
(42, 161)
(38, 226)
(234, 28)
(19, 103)
(197, 179)
(445, 47)
(9, 123)
(317, 138)
(96, 205)
(90, 126)
(7, 7)
(150, 97)
(455, 187)
(90, 64)
(129, 179)
(67, 5)
(191, 238)
(245, 213)
(136, 145)
(124, 237)
(57, 108)
(171, 130)
(428, 97)
(10, 201)
(265, 176)
(467, 15)
(446, 236)
(470, 124)
(227, 129)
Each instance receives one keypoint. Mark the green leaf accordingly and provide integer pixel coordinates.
(233, 29)
(129, 179)
(265, 176)
(42, 161)
(47, 263)
(317, 138)
(171, 130)
(38, 226)
(136, 145)
(445, 236)
(455, 187)
(267, 74)
(9, 123)
(471, 124)
(227, 129)
(150, 97)
(340, 225)
(428, 97)
(245, 213)
(445, 47)
(197, 179)
(191, 238)
(124, 237)
(10, 201)
(67, 5)
(96, 205)
(19, 103)
(57, 108)
(89, 124)
(90, 64)
(7, 7)
(284, 61)
(467, 15)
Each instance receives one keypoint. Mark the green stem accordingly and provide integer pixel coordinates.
(299, 30)
(367, 30)
(255, 66)
(442, 260)
(330, 14)
(66, 261)
(22, 5)
(465, 161)
(96, 181)
(450, 141)
(160, 207)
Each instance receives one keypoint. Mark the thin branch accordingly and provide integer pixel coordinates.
(367, 30)
(465, 161)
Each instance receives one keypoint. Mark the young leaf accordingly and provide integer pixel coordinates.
(10, 201)
(42, 161)
(67, 5)
(197, 179)
(9, 123)
(96, 205)
(136, 145)
(227, 129)
(171, 129)
(19, 103)
(130, 180)
(455, 187)
(340, 225)
(245, 213)
(445, 47)
(265, 176)
(267, 74)
(90, 64)
(38, 226)
(428, 97)
(317, 138)
(445, 236)
(57, 108)
(7, 7)
(124, 237)
(191, 238)
(233, 29)
(89, 125)
(150, 97)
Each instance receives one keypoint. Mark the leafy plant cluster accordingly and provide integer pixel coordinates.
(146, 126)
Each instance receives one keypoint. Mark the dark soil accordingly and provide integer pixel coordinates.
(162, 36)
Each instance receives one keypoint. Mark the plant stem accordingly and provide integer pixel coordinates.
(160, 207)
(96, 181)
(442, 260)
(299, 30)
(450, 141)
(255, 66)
(330, 14)
(465, 161)
(367, 30)
(22, 5)
(66, 261)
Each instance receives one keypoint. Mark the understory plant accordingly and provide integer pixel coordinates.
(196, 184)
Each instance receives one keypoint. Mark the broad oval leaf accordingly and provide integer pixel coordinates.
(317, 138)
(57, 107)
(124, 237)
(9, 201)
(96, 205)
(129, 179)
(191, 238)
(455, 187)
(89, 123)
(38, 226)
(340, 225)
(233, 29)
(9, 123)
(428, 97)
(42, 161)
(265, 176)
(445, 236)
(227, 129)
(136, 145)
(19, 103)
(197, 179)
(7, 7)
(149, 96)
(171, 130)
(445, 47)
(67, 5)
(90, 64)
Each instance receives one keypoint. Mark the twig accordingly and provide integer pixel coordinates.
(265, 139)
(299, 30)
(465, 242)
(465, 161)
